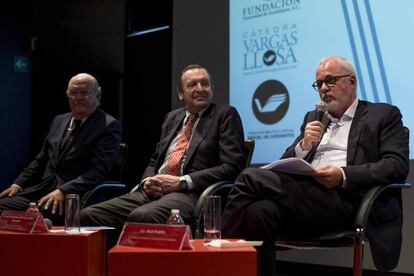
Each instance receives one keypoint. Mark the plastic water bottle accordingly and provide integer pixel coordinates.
(33, 208)
(175, 218)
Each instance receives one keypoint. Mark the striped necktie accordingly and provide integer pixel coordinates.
(173, 166)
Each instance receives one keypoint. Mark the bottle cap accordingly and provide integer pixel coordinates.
(175, 211)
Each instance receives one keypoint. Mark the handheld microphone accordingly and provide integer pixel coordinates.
(320, 108)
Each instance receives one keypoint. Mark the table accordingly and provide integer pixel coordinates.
(53, 254)
(202, 261)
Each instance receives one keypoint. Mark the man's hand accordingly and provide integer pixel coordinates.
(329, 176)
(10, 191)
(153, 187)
(169, 183)
(54, 199)
(161, 184)
(313, 134)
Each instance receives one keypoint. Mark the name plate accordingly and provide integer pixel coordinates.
(162, 236)
(23, 222)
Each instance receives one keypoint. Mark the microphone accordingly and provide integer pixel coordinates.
(320, 108)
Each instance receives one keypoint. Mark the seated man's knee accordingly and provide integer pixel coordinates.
(86, 215)
(249, 175)
(143, 215)
(261, 212)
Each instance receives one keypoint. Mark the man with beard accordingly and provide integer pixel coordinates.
(357, 145)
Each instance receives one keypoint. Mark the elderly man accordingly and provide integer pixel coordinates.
(356, 146)
(77, 153)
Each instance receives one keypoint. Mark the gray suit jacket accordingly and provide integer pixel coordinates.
(83, 164)
(215, 152)
(377, 154)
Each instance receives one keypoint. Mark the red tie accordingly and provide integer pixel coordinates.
(174, 158)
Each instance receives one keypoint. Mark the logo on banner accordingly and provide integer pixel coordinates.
(270, 48)
(270, 102)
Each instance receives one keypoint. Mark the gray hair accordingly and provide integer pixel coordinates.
(346, 65)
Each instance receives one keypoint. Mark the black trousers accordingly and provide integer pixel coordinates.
(21, 201)
(138, 207)
(265, 205)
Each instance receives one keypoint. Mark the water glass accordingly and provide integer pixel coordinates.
(212, 218)
(72, 208)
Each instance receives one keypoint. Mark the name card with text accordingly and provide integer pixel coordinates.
(161, 236)
(23, 222)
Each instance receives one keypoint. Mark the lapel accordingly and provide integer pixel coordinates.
(85, 125)
(355, 132)
(61, 128)
(199, 133)
(173, 128)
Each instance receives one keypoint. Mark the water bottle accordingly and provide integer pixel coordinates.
(175, 218)
(32, 208)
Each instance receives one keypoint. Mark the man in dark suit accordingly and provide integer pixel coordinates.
(186, 161)
(77, 153)
(364, 145)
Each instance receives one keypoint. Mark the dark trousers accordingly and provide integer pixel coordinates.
(21, 201)
(265, 205)
(137, 207)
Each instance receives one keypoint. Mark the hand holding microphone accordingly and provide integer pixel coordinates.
(314, 130)
(320, 108)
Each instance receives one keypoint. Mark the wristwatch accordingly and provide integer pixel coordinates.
(183, 184)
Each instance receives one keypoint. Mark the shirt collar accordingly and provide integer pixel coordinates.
(73, 118)
(187, 113)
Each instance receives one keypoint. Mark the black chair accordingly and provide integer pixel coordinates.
(112, 186)
(355, 237)
(221, 188)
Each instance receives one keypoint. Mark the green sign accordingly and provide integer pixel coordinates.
(21, 64)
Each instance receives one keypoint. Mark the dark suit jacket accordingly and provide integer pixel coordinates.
(215, 152)
(377, 154)
(82, 165)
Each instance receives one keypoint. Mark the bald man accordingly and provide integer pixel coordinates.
(77, 154)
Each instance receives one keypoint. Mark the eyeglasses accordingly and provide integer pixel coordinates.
(80, 94)
(329, 81)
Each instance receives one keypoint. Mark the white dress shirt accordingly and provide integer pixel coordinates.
(332, 150)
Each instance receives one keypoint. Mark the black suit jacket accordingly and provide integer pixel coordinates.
(83, 164)
(215, 152)
(377, 154)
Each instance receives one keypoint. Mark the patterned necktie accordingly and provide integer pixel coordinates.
(70, 133)
(173, 166)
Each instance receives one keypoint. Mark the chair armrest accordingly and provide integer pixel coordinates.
(211, 190)
(104, 186)
(216, 188)
(361, 219)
